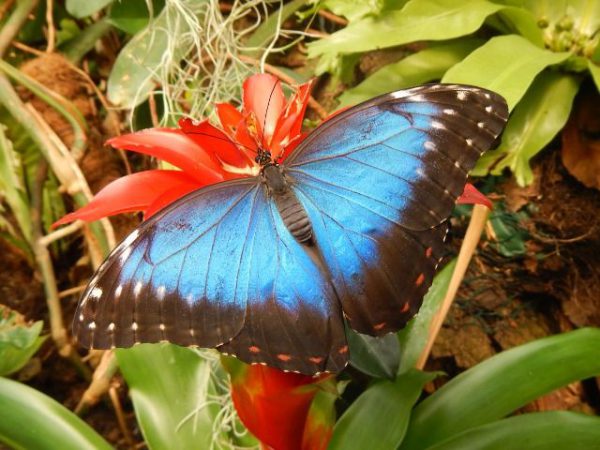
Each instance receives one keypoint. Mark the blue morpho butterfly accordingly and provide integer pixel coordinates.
(270, 268)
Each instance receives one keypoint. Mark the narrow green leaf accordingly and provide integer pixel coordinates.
(595, 71)
(85, 8)
(12, 188)
(537, 431)
(376, 356)
(170, 387)
(536, 120)
(414, 337)
(378, 419)
(503, 383)
(30, 419)
(506, 65)
(419, 20)
(426, 65)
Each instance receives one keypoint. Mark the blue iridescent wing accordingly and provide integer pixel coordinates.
(219, 269)
(379, 182)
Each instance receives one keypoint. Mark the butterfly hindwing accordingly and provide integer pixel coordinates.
(379, 182)
(216, 269)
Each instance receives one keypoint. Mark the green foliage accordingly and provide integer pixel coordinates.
(378, 419)
(538, 52)
(85, 8)
(539, 431)
(18, 341)
(132, 16)
(470, 408)
(32, 420)
(179, 397)
(510, 235)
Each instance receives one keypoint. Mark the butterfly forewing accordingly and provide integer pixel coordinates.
(218, 268)
(379, 182)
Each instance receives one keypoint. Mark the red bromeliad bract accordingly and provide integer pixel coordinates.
(275, 406)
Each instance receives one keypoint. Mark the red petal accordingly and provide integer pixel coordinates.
(131, 193)
(292, 145)
(471, 196)
(214, 141)
(229, 117)
(169, 197)
(175, 147)
(297, 106)
(264, 98)
(273, 404)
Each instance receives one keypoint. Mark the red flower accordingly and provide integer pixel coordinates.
(276, 407)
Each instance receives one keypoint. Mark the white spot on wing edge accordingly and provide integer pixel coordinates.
(461, 95)
(160, 292)
(92, 325)
(469, 142)
(449, 111)
(111, 326)
(488, 109)
(429, 146)
(118, 291)
(137, 288)
(134, 326)
(438, 125)
(96, 292)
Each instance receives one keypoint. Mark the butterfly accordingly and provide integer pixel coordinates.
(272, 268)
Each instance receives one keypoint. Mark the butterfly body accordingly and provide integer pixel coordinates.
(349, 228)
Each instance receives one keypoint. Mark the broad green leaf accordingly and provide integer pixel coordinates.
(132, 16)
(85, 8)
(266, 31)
(501, 384)
(353, 10)
(418, 68)
(506, 65)
(524, 23)
(173, 395)
(419, 20)
(18, 341)
(510, 235)
(414, 337)
(134, 72)
(595, 71)
(30, 419)
(378, 419)
(535, 122)
(537, 431)
(377, 357)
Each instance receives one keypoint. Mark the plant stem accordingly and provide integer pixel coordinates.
(86, 40)
(100, 382)
(472, 236)
(14, 23)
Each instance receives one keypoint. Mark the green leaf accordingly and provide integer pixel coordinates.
(537, 431)
(132, 16)
(418, 68)
(85, 8)
(133, 74)
(353, 10)
(419, 20)
(503, 383)
(18, 341)
(523, 22)
(535, 122)
(506, 65)
(32, 420)
(173, 395)
(414, 337)
(265, 32)
(510, 235)
(376, 356)
(378, 419)
(595, 71)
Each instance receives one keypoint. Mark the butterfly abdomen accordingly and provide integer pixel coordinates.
(290, 209)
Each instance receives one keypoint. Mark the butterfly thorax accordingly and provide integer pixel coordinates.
(290, 209)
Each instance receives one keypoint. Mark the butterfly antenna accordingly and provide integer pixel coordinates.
(221, 138)
(267, 110)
